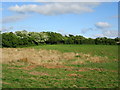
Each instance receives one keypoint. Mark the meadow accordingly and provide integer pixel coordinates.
(60, 66)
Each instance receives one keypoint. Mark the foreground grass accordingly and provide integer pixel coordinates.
(41, 77)
(68, 75)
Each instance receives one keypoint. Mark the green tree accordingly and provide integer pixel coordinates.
(9, 40)
(54, 38)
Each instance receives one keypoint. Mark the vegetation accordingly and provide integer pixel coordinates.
(51, 60)
(24, 38)
(99, 50)
(93, 66)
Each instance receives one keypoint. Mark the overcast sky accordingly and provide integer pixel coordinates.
(89, 19)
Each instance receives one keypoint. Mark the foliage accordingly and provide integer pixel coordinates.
(9, 40)
(24, 38)
(54, 38)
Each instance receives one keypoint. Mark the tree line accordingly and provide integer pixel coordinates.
(24, 38)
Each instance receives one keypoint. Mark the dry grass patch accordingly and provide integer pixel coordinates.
(34, 56)
(83, 58)
(97, 59)
(30, 67)
(39, 73)
(88, 69)
(56, 66)
(5, 83)
(78, 62)
(46, 58)
(75, 75)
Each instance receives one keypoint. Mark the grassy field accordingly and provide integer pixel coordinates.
(71, 66)
(110, 51)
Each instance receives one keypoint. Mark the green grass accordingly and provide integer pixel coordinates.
(60, 77)
(110, 51)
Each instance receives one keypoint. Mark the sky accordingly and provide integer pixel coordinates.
(89, 19)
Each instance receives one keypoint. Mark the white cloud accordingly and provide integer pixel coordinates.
(60, 0)
(56, 8)
(104, 30)
(102, 25)
(76, 0)
(6, 29)
(14, 18)
(108, 33)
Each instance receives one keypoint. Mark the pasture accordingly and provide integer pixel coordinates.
(60, 66)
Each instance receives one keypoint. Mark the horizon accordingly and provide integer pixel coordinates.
(60, 33)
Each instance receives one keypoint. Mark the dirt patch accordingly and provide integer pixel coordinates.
(5, 83)
(92, 69)
(82, 70)
(13, 68)
(39, 73)
(30, 67)
(75, 75)
(96, 69)
(113, 71)
(87, 69)
(55, 66)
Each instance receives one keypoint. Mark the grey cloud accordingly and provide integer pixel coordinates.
(5, 29)
(85, 30)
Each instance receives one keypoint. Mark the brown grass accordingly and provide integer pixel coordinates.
(78, 75)
(83, 58)
(39, 73)
(30, 67)
(34, 56)
(56, 66)
(5, 83)
(46, 58)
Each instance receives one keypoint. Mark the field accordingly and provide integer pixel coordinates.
(60, 66)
